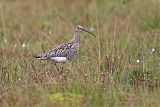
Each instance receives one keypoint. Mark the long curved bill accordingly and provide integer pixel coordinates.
(88, 32)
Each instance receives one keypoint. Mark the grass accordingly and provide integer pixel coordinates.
(120, 67)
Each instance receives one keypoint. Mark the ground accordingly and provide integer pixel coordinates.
(118, 68)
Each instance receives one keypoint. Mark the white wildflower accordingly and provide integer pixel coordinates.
(5, 40)
(92, 29)
(19, 79)
(50, 32)
(153, 50)
(15, 45)
(138, 61)
(23, 45)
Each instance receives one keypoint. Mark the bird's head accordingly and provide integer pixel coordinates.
(80, 29)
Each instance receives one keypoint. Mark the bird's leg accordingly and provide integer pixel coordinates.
(63, 80)
(56, 67)
(58, 70)
(61, 72)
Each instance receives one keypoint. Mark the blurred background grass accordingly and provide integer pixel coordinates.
(120, 67)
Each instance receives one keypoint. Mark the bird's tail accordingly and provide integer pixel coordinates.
(41, 57)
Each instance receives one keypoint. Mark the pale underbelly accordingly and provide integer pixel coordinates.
(59, 59)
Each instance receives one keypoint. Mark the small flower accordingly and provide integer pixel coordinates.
(138, 61)
(19, 79)
(5, 40)
(23, 45)
(15, 45)
(92, 29)
(50, 32)
(153, 50)
(85, 74)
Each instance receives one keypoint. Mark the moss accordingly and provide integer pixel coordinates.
(65, 98)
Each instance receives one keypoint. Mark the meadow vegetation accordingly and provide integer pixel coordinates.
(118, 68)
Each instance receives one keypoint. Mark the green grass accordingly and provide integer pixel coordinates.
(105, 73)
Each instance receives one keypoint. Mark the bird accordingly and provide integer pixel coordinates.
(66, 51)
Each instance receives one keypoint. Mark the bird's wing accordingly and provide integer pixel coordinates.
(68, 50)
(61, 50)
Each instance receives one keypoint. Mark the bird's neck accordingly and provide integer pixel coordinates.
(76, 37)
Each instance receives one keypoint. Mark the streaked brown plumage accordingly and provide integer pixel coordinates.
(66, 51)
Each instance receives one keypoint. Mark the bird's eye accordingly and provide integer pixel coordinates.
(79, 27)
